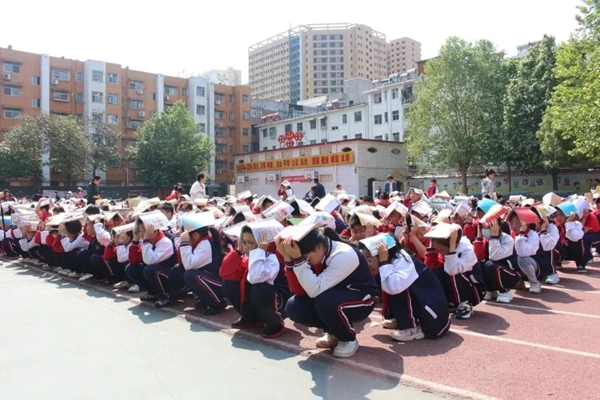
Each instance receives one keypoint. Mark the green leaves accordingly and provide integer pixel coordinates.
(170, 148)
(458, 108)
(104, 145)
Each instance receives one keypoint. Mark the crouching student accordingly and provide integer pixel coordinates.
(255, 284)
(332, 285)
(72, 242)
(90, 259)
(411, 293)
(132, 252)
(163, 276)
(549, 241)
(200, 255)
(461, 276)
(573, 246)
(527, 245)
(115, 257)
(28, 243)
(496, 248)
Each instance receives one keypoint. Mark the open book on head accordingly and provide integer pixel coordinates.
(117, 230)
(266, 230)
(296, 232)
(155, 218)
(279, 211)
(372, 242)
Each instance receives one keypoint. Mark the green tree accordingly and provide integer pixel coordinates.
(555, 149)
(104, 145)
(61, 137)
(525, 102)
(170, 148)
(574, 108)
(16, 162)
(458, 107)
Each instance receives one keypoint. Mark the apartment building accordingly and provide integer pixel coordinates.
(313, 60)
(233, 128)
(403, 55)
(373, 110)
(38, 83)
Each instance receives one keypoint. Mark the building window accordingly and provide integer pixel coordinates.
(264, 133)
(287, 128)
(12, 67)
(136, 104)
(134, 124)
(324, 122)
(200, 91)
(378, 137)
(61, 75)
(231, 150)
(184, 91)
(219, 115)
(200, 109)
(79, 98)
(245, 115)
(358, 136)
(395, 115)
(232, 132)
(79, 76)
(377, 98)
(378, 119)
(135, 85)
(35, 80)
(313, 124)
(219, 132)
(299, 127)
(36, 103)
(396, 136)
(218, 98)
(153, 96)
(345, 137)
(202, 128)
(245, 132)
(256, 113)
(246, 148)
(11, 113)
(394, 93)
(112, 119)
(113, 78)
(272, 132)
(313, 141)
(245, 98)
(98, 97)
(112, 99)
(231, 116)
(97, 76)
(385, 116)
(358, 116)
(170, 90)
(231, 99)
(344, 119)
(60, 95)
(12, 90)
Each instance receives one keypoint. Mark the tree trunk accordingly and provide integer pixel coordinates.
(509, 178)
(68, 180)
(463, 174)
(554, 174)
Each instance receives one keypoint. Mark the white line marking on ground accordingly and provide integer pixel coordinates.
(547, 310)
(529, 344)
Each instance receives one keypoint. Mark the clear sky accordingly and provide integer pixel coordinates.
(186, 37)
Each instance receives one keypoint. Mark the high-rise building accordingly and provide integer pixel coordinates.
(229, 76)
(403, 55)
(33, 84)
(314, 60)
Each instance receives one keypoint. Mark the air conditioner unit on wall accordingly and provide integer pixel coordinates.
(241, 179)
(6, 77)
(141, 114)
(140, 91)
(55, 81)
(219, 124)
(311, 174)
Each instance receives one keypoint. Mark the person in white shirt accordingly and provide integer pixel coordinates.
(198, 189)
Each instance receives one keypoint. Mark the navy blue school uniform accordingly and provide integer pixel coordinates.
(162, 274)
(500, 271)
(342, 293)
(573, 247)
(201, 264)
(91, 260)
(414, 296)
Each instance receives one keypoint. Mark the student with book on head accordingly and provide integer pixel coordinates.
(254, 281)
(531, 257)
(200, 255)
(572, 246)
(332, 285)
(414, 302)
(72, 242)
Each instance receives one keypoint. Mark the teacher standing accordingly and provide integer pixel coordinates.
(198, 190)
(488, 186)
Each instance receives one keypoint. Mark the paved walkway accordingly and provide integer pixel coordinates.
(63, 341)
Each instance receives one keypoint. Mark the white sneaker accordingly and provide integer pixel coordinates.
(504, 297)
(535, 287)
(345, 349)
(134, 289)
(389, 324)
(464, 310)
(408, 334)
(552, 279)
(328, 341)
(595, 254)
(122, 285)
(85, 277)
(75, 275)
(46, 267)
(65, 272)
